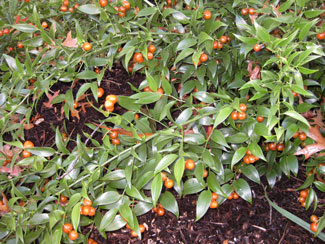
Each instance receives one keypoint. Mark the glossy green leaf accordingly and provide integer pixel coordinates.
(75, 216)
(203, 204)
(156, 187)
(59, 142)
(239, 154)
(107, 198)
(165, 162)
(169, 202)
(179, 170)
(243, 189)
(89, 9)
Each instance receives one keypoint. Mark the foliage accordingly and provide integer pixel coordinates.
(195, 98)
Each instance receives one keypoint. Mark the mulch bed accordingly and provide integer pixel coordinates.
(235, 221)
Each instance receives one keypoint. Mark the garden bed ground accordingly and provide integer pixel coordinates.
(235, 221)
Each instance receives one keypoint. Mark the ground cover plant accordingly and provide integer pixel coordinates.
(116, 110)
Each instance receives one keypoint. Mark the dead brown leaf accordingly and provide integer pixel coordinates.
(254, 73)
(309, 150)
(15, 171)
(4, 209)
(49, 104)
(69, 41)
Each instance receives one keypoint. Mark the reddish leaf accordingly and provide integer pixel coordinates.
(15, 171)
(314, 133)
(4, 208)
(69, 41)
(254, 73)
(48, 104)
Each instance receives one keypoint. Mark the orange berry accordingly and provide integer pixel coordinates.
(189, 164)
(236, 196)
(142, 228)
(103, 3)
(151, 48)
(231, 196)
(63, 199)
(65, 3)
(85, 210)
(134, 234)
(304, 193)
(242, 107)
(169, 183)
(213, 204)
(28, 144)
(138, 58)
(160, 211)
(116, 141)
(302, 136)
(314, 218)
(242, 116)
(204, 57)
(260, 119)
(100, 92)
(207, 14)
(223, 39)
(244, 11)
(67, 228)
(234, 115)
(92, 211)
(26, 154)
(205, 173)
(112, 98)
(113, 135)
(64, 8)
(150, 56)
(313, 227)
(214, 196)
(86, 46)
(73, 235)
(251, 11)
(87, 202)
(163, 176)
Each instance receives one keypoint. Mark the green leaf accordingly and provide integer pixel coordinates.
(39, 219)
(74, 199)
(194, 139)
(89, 9)
(320, 185)
(183, 54)
(285, 6)
(107, 198)
(192, 186)
(214, 184)
(75, 216)
(179, 170)
(218, 137)
(87, 75)
(295, 115)
(146, 97)
(82, 90)
(25, 28)
(222, 115)
(243, 189)
(262, 33)
(204, 96)
(127, 214)
(251, 173)
(305, 29)
(59, 142)
(128, 103)
(42, 151)
(153, 84)
(165, 162)
(312, 13)
(156, 187)
(239, 154)
(256, 150)
(11, 62)
(147, 11)
(185, 43)
(169, 202)
(203, 37)
(203, 204)
(184, 116)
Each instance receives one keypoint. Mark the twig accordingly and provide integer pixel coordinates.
(270, 215)
(258, 227)
(73, 163)
(284, 233)
(110, 81)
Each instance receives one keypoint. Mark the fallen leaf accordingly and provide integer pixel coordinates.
(49, 104)
(309, 150)
(253, 17)
(254, 73)
(4, 209)
(69, 41)
(15, 171)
